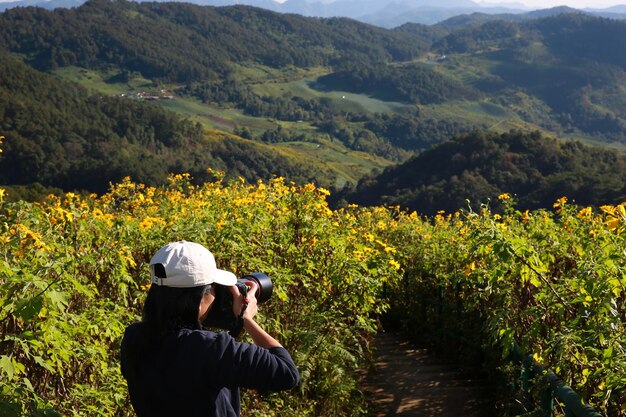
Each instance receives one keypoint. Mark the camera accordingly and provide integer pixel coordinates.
(221, 313)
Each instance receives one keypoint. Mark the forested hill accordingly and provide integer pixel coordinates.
(575, 64)
(572, 37)
(62, 136)
(481, 166)
(183, 42)
(323, 100)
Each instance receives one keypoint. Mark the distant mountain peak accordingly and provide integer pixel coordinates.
(450, 4)
(554, 11)
(383, 13)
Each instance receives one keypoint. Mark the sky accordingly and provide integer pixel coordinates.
(544, 4)
(535, 4)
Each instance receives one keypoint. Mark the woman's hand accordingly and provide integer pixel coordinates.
(252, 308)
(249, 307)
(246, 305)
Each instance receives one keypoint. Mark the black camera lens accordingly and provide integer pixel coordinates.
(221, 313)
(264, 292)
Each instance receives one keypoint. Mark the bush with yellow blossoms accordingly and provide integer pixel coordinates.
(549, 283)
(73, 275)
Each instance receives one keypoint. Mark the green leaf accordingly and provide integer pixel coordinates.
(43, 363)
(58, 299)
(6, 366)
(608, 353)
(28, 384)
(8, 409)
(28, 309)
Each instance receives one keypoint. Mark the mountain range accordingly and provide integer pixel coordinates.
(384, 13)
(177, 87)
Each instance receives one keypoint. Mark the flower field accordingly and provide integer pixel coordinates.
(550, 282)
(73, 274)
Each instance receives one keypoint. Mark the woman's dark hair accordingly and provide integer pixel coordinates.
(167, 309)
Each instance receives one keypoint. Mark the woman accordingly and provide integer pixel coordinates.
(175, 368)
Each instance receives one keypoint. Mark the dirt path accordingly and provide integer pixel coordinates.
(408, 381)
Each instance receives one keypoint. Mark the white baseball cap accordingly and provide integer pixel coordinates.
(185, 264)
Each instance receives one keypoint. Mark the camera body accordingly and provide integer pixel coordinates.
(221, 313)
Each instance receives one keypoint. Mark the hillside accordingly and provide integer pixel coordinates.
(216, 51)
(498, 59)
(480, 166)
(572, 64)
(57, 134)
(324, 100)
(204, 42)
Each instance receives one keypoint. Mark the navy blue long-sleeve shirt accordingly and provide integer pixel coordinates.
(197, 373)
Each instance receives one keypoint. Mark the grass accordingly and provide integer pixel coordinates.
(465, 68)
(510, 110)
(215, 117)
(589, 140)
(97, 80)
(477, 113)
(348, 166)
(255, 74)
(341, 101)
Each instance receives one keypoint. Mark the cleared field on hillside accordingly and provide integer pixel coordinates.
(336, 99)
(349, 166)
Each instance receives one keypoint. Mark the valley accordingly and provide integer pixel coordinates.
(330, 101)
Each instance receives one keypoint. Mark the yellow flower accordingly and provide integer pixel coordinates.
(394, 264)
(28, 237)
(615, 216)
(148, 222)
(1, 139)
(559, 204)
(470, 268)
(526, 216)
(130, 260)
(390, 249)
(608, 210)
(585, 213)
(613, 223)
(2, 190)
(504, 196)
